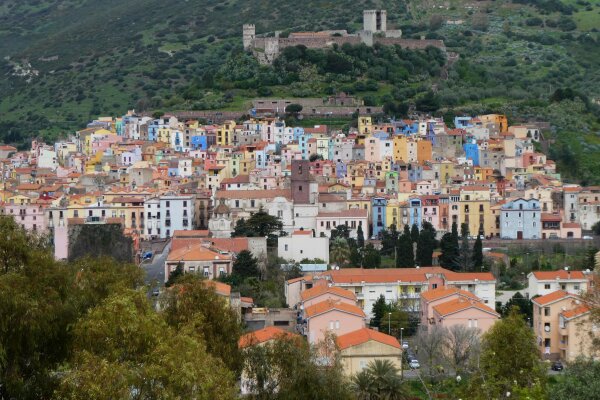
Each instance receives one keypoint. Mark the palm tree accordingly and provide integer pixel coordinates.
(363, 385)
(380, 380)
(339, 251)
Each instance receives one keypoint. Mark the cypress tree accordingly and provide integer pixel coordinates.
(426, 245)
(405, 257)
(465, 251)
(414, 233)
(478, 253)
(360, 237)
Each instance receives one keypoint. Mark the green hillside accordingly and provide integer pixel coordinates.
(64, 62)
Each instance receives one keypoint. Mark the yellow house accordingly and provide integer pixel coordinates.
(424, 151)
(225, 133)
(359, 203)
(500, 120)
(361, 347)
(365, 125)
(474, 209)
(164, 135)
(18, 199)
(400, 144)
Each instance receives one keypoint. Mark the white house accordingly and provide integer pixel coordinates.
(302, 244)
(521, 219)
(544, 282)
(326, 221)
(168, 213)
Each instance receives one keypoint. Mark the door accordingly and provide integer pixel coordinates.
(520, 235)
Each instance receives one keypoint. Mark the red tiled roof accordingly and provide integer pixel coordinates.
(439, 293)
(560, 274)
(551, 297)
(195, 253)
(301, 232)
(461, 304)
(320, 290)
(353, 213)
(576, 312)
(364, 335)
(263, 335)
(330, 305)
(220, 287)
(254, 194)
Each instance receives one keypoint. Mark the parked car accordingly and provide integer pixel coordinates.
(414, 364)
(557, 366)
(587, 238)
(404, 344)
(147, 255)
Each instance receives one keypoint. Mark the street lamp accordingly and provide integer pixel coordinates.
(402, 357)
(389, 323)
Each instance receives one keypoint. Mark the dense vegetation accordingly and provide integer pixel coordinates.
(530, 59)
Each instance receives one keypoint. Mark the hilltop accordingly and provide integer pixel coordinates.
(63, 62)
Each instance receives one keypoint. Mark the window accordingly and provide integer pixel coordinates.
(237, 203)
(286, 247)
(434, 286)
(576, 287)
(547, 286)
(546, 311)
(206, 271)
(168, 204)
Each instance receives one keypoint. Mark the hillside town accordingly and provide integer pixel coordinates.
(187, 187)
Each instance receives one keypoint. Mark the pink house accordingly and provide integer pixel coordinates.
(467, 312)
(434, 297)
(332, 316)
(29, 216)
(322, 293)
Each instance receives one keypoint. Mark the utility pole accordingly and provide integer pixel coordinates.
(389, 323)
(402, 357)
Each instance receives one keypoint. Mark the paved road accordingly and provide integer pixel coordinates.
(155, 270)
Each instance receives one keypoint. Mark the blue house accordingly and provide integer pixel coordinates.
(378, 206)
(153, 131)
(462, 122)
(303, 144)
(298, 132)
(415, 214)
(430, 134)
(521, 219)
(199, 142)
(472, 152)
(415, 174)
(340, 169)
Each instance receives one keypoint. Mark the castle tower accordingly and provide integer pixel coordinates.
(375, 20)
(249, 33)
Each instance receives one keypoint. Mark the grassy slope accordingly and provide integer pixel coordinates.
(113, 55)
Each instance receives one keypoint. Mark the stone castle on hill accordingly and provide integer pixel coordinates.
(266, 49)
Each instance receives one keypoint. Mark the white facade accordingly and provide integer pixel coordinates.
(545, 282)
(303, 245)
(168, 213)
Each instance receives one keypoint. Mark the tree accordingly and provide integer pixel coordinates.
(480, 21)
(462, 344)
(478, 253)
(288, 368)
(117, 353)
(260, 224)
(581, 381)
(17, 246)
(380, 380)
(380, 308)
(339, 252)
(596, 228)
(465, 259)
(523, 305)
(435, 22)
(245, 265)
(449, 256)
(194, 305)
(340, 231)
(175, 275)
(360, 237)
(414, 233)
(293, 108)
(431, 344)
(509, 360)
(371, 258)
(404, 251)
(389, 240)
(426, 244)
